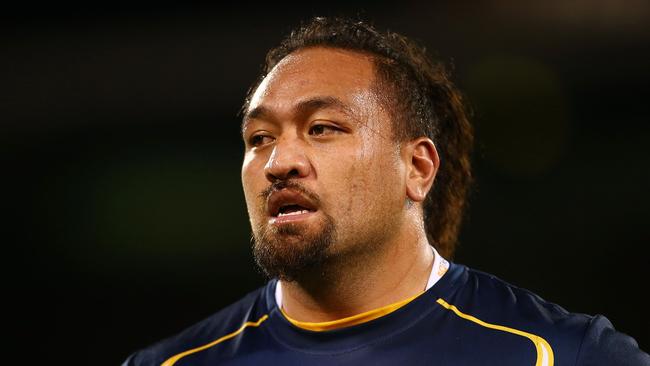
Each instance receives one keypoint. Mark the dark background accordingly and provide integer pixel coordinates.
(124, 216)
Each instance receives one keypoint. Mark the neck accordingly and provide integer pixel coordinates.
(389, 273)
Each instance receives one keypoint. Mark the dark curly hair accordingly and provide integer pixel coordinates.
(423, 102)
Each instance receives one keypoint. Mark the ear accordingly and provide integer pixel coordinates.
(422, 162)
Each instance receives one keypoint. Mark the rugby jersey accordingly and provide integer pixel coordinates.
(467, 318)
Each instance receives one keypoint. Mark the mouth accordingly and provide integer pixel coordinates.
(292, 210)
(288, 205)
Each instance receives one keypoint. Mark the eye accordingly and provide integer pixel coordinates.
(259, 140)
(322, 129)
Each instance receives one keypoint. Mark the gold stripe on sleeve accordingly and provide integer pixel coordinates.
(172, 360)
(544, 350)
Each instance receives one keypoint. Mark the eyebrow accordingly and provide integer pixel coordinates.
(303, 107)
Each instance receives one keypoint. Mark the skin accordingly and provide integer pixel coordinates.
(370, 185)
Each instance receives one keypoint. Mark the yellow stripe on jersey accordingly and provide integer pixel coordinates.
(544, 350)
(351, 320)
(172, 360)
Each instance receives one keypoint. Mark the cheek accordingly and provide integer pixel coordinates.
(252, 177)
(375, 177)
(362, 181)
(246, 179)
(338, 178)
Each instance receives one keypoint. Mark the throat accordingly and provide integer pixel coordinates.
(327, 298)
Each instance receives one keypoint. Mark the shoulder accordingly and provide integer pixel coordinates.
(572, 338)
(502, 300)
(250, 308)
(603, 345)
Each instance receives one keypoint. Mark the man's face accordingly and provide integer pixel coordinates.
(322, 174)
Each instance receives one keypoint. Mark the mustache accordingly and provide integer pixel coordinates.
(289, 184)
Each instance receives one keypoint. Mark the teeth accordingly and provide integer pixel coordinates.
(293, 213)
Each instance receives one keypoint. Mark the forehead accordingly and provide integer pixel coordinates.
(317, 72)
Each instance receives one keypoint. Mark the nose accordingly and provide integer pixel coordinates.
(287, 160)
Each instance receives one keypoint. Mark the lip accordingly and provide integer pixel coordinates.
(279, 220)
(286, 197)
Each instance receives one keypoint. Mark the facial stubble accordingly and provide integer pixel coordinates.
(292, 250)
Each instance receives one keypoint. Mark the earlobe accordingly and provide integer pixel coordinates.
(422, 165)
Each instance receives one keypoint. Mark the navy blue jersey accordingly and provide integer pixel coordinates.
(466, 318)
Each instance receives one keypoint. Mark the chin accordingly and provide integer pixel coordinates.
(285, 251)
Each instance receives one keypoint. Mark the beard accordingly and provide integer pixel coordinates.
(290, 251)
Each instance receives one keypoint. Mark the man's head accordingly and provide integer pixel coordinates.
(340, 133)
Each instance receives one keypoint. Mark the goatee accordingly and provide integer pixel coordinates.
(289, 251)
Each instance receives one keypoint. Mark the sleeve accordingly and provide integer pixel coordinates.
(133, 360)
(603, 345)
(128, 361)
(144, 357)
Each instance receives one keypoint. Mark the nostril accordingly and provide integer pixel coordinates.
(275, 176)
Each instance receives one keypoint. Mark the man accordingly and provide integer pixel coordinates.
(355, 173)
